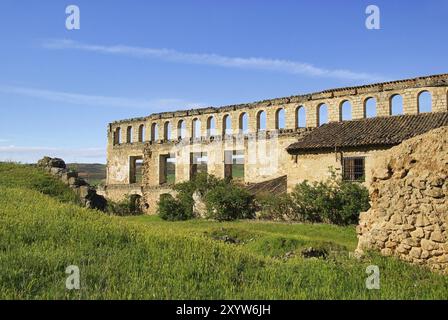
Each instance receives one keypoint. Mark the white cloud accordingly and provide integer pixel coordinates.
(95, 100)
(285, 66)
(32, 154)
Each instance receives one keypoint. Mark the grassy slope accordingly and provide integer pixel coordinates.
(148, 258)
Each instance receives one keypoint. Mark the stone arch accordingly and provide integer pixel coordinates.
(396, 105)
(211, 126)
(280, 118)
(181, 129)
(369, 107)
(244, 122)
(117, 136)
(424, 101)
(345, 110)
(141, 133)
(261, 120)
(129, 134)
(322, 114)
(154, 132)
(300, 117)
(167, 131)
(227, 124)
(196, 128)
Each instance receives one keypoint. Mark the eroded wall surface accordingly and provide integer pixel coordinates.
(409, 197)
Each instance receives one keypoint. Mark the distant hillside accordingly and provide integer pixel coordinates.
(94, 173)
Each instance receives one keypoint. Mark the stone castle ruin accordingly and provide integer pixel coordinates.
(298, 138)
(385, 136)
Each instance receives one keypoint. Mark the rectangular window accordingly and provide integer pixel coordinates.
(198, 163)
(234, 164)
(354, 169)
(167, 169)
(136, 170)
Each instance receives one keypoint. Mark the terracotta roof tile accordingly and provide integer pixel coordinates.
(379, 131)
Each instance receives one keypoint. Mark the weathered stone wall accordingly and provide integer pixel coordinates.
(409, 197)
(87, 194)
(316, 166)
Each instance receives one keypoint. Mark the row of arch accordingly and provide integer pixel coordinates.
(396, 107)
(345, 113)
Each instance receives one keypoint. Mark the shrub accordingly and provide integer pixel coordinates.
(171, 209)
(275, 207)
(332, 201)
(226, 201)
(185, 190)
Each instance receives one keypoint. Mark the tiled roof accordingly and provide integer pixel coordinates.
(273, 186)
(379, 131)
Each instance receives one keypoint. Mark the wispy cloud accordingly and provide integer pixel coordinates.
(97, 100)
(278, 65)
(32, 154)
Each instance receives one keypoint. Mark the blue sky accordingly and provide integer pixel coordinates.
(60, 88)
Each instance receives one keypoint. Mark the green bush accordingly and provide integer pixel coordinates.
(226, 201)
(332, 201)
(275, 207)
(172, 209)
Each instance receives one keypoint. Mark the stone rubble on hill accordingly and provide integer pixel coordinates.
(409, 196)
(86, 193)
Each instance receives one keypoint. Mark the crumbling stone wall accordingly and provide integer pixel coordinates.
(409, 197)
(86, 193)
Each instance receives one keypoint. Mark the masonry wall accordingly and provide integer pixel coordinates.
(409, 193)
(264, 159)
(318, 166)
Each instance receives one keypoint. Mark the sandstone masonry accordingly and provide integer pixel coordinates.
(409, 197)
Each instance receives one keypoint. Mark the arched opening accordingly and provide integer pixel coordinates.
(181, 129)
(141, 133)
(129, 134)
(244, 123)
(345, 111)
(424, 102)
(117, 136)
(396, 105)
(211, 126)
(280, 119)
(196, 128)
(261, 120)
(322, 114)
(167, 131)
(300, 117)
(227, 124)
(154, 132)
(370, 108)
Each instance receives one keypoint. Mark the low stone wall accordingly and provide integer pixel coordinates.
(409, 198)
(85, 192)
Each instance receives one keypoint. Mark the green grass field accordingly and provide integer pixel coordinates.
(43, 230)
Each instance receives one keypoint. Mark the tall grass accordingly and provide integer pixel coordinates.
(145, 258)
